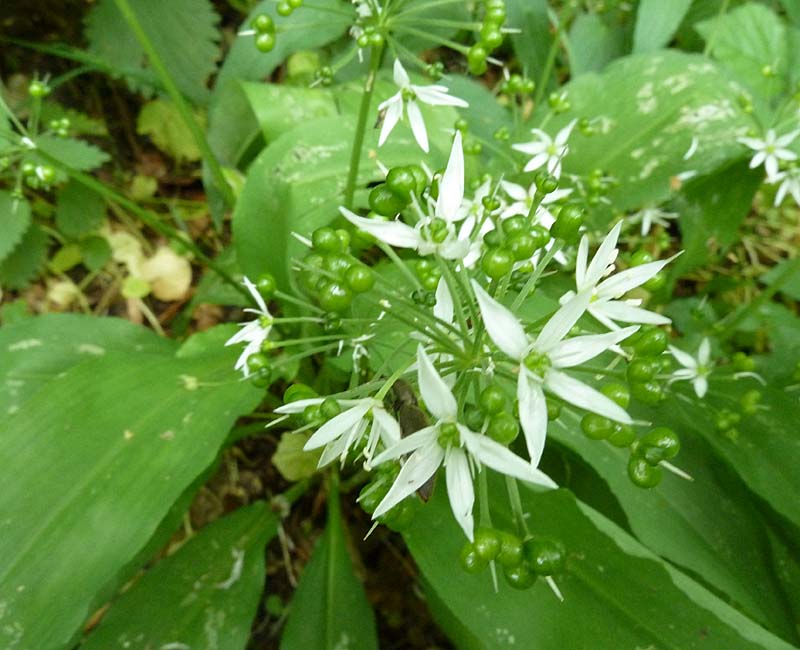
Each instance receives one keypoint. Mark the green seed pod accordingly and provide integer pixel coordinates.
(471, 562)
(520, 576)
(503, 428)
(360, 278)
(596, 427)
(618, 393)
(492, 400)
(510, 553)
(486, 543)
(643, 474)
(497, 262)
(265, 42)
(546, 556)
(622, 435)
(335, 296)
(385, 202)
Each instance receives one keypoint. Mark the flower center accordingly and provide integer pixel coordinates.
(449, 436)
(770, 148)
(552, 149)
(408, 94)
(438, 230)
(265, 322)
(538, 363)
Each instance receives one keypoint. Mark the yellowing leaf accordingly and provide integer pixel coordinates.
(161, 120)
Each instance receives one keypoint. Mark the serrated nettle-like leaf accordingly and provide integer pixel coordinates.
(183, 32)
(617, 593)
(751, 41)
(657, 22)
(329, 609)
(203, 596)
(15, 217)
(296, 185)
(708, 526)
(659, 116)
(26, 260)
(115, 460)
(76, 154)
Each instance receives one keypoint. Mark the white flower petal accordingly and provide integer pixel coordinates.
(419, 467)
(704, 352)
(451, 187)
(394, 233)
(417, 125)
(388, 427)
(501, 325)
(683, 358)
(604, 256)
(562, 322)
(438, 96)
(619, 310)
(497, 457)
(459, 489)
(581, 260)
(537, 161)
(433, 390)
(300, 405)
(700, 386)
(337, 426)
(443, 309)
(580, 349)
(516, 192)
(256, 295)
(579, 394)
(394, 111)
(620, 283)
(532, 415)
(400, 74)
(406, 445)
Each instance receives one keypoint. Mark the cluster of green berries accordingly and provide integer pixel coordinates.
(60, 126)
(331, 274)
(323, 76)
(370, 37)
(264, 25)
(518, 85)
(396, 193)
(647, 453)
(522, 561)
(597, 427)
(429, 274)
(435, 70)
(648, 361)
(490, 36)
(558, 102)
(38, 89)
(492, 414)
(597, 184)
(38, 176)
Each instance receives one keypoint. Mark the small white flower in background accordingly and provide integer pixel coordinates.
(522, 200)
(546, 151)
(347, 428)
(771, 150)
(789, 184)
(541, 359)
(694, 369)
(605, 305)
(452, 444)
(447, 211)
(254, 332)
(650, 217)
(407, 98)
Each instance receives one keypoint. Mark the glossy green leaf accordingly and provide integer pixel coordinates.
(99, 454)
(658, 115)
(329, 609)
(203, 596)
(616, 592)
(593, 44)
(15, 217)
(656, 22)
(79, 210)
(709, 525)
(751, 41)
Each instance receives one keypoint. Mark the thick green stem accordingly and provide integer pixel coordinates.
(361, 125)
(180, 103)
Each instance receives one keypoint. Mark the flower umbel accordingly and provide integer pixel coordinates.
(254, 332)
(545, 151)
(695, 369)
(771, 150)
(406, 98)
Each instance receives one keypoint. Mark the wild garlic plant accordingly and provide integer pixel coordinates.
(471, 316)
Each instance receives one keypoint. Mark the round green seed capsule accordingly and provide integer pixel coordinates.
(263, 24)
(545, 555)
(497, 263)
(385, 202)
(648, 392)
(492, 400)
(329, 408)
(545, 183)
(402, 182)
(510, 553)
(266, 285)
(617, 393)
(335, 296)
(522, 246)
(622, 435)
(643, 474)
(651, 343)
(476, 59)
(520, 576)
(360, 278)
(471, 562)
(641, 370)
(486, 543)
(258, 362)
(265, 42)
(503, 428)
(568, 223)
(326, 240)
(284, 8)
(664, 439)
(596, 427)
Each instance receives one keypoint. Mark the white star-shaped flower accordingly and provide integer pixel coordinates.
(605, 305)
(542, 358)
(341, 432)
(546, 151)
(448, 241)
(254, 332)
(407, 98)
(652, 216)
(694, 369)
(449, 443)
(789, 184)
(771, 150)
(522, 201)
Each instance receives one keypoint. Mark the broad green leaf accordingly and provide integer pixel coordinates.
(762, 448)
(616, 592)
(160, 120)
(296, 185)
(792, 10)
(291, 460)
(658, 115)
(26, 260)
(203, 596)
(119, 438)
(95, 252)
(78, 210)
(329, 609)
(593, 44)
(15, 217)
(280, 108)
(534, 39)
(73, 153)
(710, 211)
(183, 32)
(656, 22)
(752, 42)
(708, 526)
